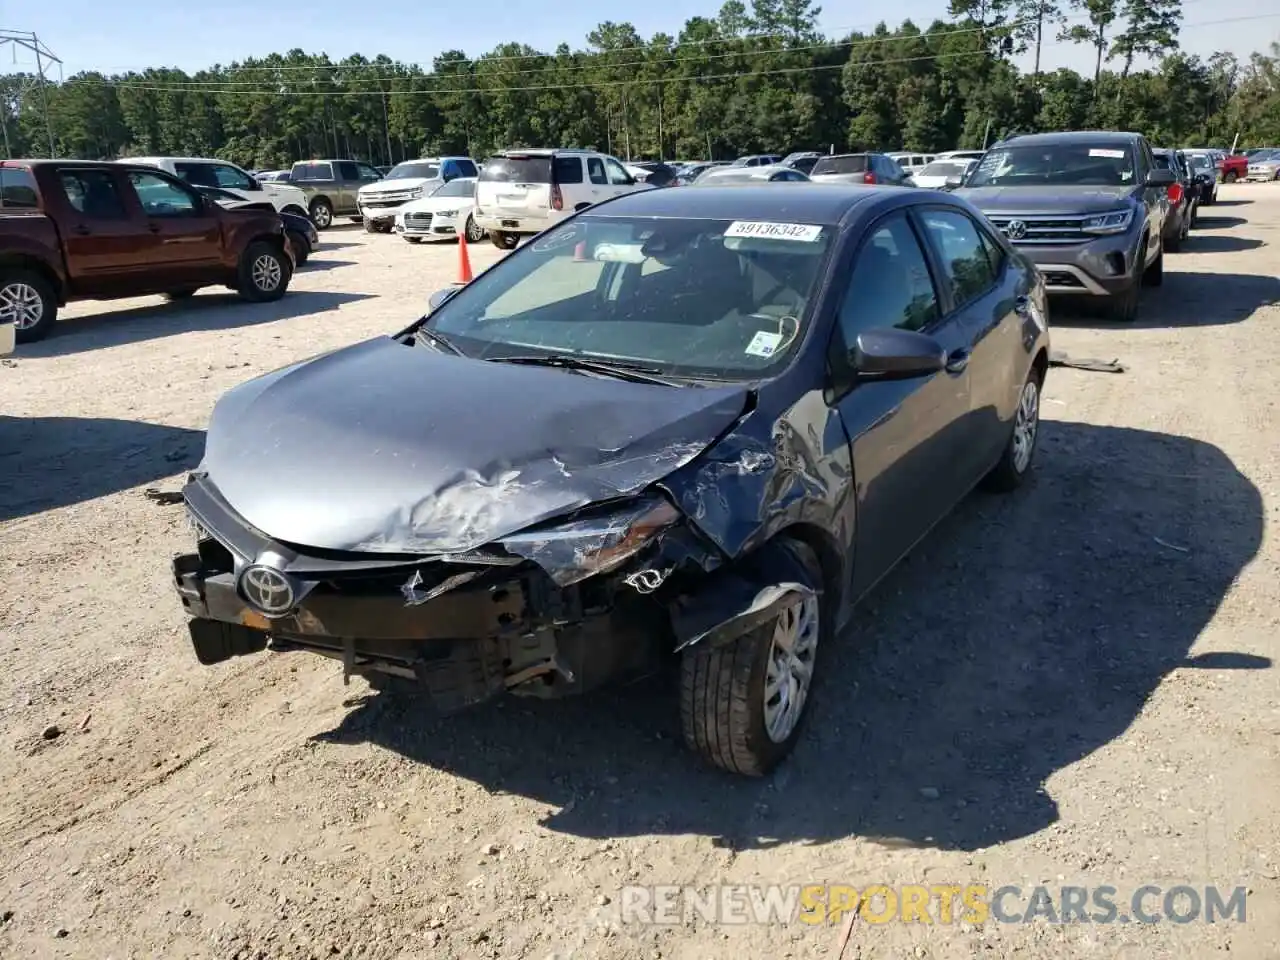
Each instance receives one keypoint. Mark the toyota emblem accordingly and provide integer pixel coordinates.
(267, 589)
(1016, 230)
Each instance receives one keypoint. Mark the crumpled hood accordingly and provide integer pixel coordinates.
(1067, 201)
(389, 448)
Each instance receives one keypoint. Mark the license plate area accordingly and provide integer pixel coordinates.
(511, 223)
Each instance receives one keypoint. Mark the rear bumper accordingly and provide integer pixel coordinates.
(515, 223)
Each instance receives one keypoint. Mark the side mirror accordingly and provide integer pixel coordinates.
(888, 353)
(254, 185)
(439, 297)
(1162, 178)
(953, 182)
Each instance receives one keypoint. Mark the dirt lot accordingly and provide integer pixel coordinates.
(1074, 685)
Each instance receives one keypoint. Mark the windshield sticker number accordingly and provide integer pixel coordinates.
(764, 344)
(760, 230)
(1108, 154)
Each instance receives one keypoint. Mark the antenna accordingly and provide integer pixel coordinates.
(15, 40)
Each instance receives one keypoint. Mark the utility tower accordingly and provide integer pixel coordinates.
(16, 41)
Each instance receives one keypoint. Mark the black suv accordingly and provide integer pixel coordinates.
(1087, 207)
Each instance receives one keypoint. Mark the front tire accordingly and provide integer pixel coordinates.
(27, 300)
(742, 703)
(264, 272)
(1153, 276)
(1015, 462)
(413, 239)
(322, 213)
(473, 230)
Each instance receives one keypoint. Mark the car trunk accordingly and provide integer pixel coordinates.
(516, 185)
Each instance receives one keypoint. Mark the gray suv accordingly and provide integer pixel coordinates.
(1087, 207)
(331, 187)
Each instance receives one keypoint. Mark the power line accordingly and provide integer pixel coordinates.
(759, 52)
(220, 88)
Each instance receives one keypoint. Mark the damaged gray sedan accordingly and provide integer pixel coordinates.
(691, 424)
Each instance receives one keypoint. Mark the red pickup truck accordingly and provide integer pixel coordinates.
(80, 230)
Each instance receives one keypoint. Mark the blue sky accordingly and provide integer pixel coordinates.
(141, 33)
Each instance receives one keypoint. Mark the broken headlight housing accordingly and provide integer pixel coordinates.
(591, 544)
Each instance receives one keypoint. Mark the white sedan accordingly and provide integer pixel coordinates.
(934, 176)
(441, 212)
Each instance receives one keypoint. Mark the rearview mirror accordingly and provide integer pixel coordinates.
(1161, 178)
(888, 353)
(439, 297)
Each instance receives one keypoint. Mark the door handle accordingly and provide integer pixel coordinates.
(957, 360)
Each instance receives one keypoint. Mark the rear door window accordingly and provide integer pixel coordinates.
(964, 258)
(368, 173)
(347, 170)
(198, 174)
(161, 197)
(229, 178)
(516, 169)
(568, 170)
(93, 194)
(595, 170)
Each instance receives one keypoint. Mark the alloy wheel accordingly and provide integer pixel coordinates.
(21, 304)
(266, 273)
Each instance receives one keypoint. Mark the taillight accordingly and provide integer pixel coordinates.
(868, 177)
(557, 198)
(1175, 193)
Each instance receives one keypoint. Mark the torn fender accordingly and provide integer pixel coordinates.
(737, 599)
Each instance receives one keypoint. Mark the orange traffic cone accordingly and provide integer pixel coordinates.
(464, 261)
(580, 253)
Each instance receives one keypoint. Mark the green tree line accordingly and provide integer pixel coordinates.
(754, 78)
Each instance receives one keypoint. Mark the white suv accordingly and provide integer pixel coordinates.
(380, 202)
(522, 192)
(221, 175)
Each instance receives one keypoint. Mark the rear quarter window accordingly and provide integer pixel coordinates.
(18, 189)
(516, 170)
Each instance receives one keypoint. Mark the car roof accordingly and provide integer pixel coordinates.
(148, 161)
(543, 151)
(771, 202)
(108, 164)
(1073, 136)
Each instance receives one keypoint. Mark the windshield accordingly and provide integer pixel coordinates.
(714, 299)
(1063, 164)
(415, 169)
(855, 164)
(1201, 162)
(945, 168)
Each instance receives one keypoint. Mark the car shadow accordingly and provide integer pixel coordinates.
(51, 462)
(929, 729)
(1185, 299)
(1218, 243)
(319, 264)
(326, 246)
(217, 311)
(1208, 222)
(1232, 203)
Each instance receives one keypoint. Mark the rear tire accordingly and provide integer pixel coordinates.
(1230, 177)
(321, 213)
(1015, 462)
(504, 241)
(1173, 244)
(264, 272)
(27, 299)
(723, 695)
(301, 250)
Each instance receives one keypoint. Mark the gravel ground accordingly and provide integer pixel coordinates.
(1073, 685)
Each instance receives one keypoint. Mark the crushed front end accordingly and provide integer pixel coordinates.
(550, 612)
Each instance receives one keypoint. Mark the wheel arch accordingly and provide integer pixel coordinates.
(23, 261)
